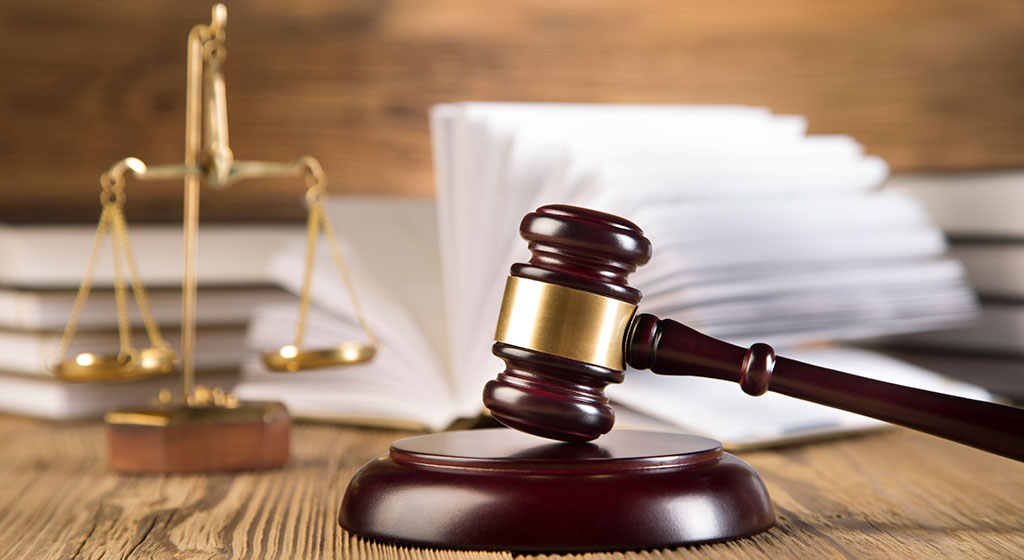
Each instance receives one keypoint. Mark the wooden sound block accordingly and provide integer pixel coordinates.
(499, 489)
(180, 439)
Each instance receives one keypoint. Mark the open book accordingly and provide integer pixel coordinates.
(760, 232)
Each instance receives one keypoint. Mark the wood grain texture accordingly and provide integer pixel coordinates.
(925, 84)
(892, 495)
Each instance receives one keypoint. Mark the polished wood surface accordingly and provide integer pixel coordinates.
(671, 348)
(897, 494)
(925, 84)
(554, 396)
(500, 489)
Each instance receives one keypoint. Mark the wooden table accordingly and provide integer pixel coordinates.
(893, 494)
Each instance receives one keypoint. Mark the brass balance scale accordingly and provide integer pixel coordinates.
(202, 429)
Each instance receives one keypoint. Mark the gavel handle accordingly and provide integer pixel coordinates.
(671, 348)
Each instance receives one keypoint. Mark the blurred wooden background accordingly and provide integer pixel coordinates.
(927, 84)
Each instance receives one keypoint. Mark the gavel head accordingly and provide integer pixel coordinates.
(561, 331)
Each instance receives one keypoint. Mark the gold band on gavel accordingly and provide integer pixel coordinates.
(564, 322)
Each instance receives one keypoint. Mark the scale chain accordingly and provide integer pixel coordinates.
(85, 287)
(113, 222)
(318, 222)
(138, 290)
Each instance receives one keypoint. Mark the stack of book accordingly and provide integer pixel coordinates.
(980, 213)
(760, 233)
(41, 268)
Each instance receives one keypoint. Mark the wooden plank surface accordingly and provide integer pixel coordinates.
(892, 495)
(927, 84)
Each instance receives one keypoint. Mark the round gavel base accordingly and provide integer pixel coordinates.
(500, 489)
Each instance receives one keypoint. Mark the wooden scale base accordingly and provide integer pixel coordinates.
(190, 439)
(500, 489)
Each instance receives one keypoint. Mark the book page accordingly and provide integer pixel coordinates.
(391, 251)
(497, 161)
(399, 387)
(396, 242)
(759, 229)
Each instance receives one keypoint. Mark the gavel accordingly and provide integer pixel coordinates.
(568, 327)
